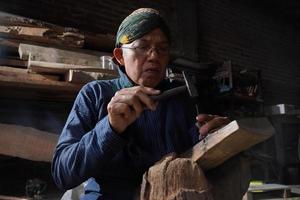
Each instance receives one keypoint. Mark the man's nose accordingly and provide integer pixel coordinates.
(153, 51)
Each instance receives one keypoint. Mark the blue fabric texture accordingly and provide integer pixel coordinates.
(113, 164)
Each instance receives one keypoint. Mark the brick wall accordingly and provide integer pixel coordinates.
(254, 38)
(102, 16)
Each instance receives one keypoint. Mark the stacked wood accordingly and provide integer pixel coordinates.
(51, 55)
(36, 31)
(14, 77)
(77, 67)
(55, 55)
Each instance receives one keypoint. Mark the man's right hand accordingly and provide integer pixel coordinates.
(127, 105)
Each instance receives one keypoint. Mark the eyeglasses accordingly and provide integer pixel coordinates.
(144, 50)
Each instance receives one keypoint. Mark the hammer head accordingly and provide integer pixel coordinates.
(190, 82)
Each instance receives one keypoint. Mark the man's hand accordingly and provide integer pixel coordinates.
(127, 105)
(208, 123)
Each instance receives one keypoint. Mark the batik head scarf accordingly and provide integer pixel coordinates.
(139, 23)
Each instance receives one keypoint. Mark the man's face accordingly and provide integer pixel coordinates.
(146, 58)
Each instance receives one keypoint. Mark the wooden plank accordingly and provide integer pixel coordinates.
(21, 78)
(268, 187)
(228, 141)
(27, 142)
(77, 76)
(23, 30)
(2, 197)
(61, 68)
(55, 55)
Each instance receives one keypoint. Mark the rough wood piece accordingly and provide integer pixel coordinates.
(170, 179)
(55, 55)
(26, 142)
(77, 76)
(228, 141)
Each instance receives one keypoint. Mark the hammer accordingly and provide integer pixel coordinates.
(189, 85)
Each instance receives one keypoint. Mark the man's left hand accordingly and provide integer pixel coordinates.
(209, 123)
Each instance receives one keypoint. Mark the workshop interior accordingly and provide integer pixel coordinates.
(237, 58)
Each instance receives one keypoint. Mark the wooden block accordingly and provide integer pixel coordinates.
(228, 141)
(27, 142)
(77, 76)
(55, 55)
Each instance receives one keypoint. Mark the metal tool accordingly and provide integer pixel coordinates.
(189, 85)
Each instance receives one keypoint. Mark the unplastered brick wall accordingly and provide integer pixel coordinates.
(101, 16)
(252, 37)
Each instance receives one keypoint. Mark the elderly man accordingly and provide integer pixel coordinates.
(115, 131)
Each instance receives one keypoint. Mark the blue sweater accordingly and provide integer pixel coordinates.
(113, 164)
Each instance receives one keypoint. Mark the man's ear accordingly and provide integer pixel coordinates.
(119, 55)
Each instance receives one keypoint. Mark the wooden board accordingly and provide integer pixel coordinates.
(2, 197)
(77, 76)
(230, 140)
(27, 142)
(14, 77)
(61, 68)
(55, 55)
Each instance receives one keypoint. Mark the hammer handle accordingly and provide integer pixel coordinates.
(169, 93)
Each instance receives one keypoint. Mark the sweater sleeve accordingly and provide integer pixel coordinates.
(86, 143)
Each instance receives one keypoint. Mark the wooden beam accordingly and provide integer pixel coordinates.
(2, 197)
(23, 30)
(61, 68)
(230, 140)
(14, 77)
(27, 142)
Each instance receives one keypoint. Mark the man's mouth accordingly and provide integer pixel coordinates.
(152, 70)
